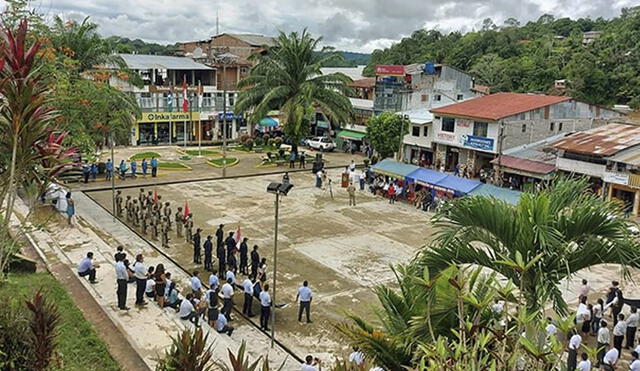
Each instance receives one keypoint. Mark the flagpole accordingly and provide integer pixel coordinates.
(170, 114)
(185, 96)
(200, 118)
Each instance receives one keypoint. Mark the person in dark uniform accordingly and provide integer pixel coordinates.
(219, 235)
(244, 255)
(196, 246)
(230, 244)
(255, 261)
(208, 247)
(222, 259)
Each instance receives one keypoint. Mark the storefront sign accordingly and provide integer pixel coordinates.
(389, 70)
(463, 123)
(446, 137)
(616, 178)
(230, 116)
(481, 143)
(169, 116)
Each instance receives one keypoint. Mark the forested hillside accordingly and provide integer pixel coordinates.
(530, 57)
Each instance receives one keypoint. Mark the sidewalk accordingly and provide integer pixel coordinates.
(147, 329)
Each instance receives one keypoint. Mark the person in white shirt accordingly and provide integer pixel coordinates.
(603, 340)
(188, 312)
(618, 332)
(632, 326)
(169, 282)
(247, 288)
(610, 359)
(140, 274)
(319, 179)
(311, 364)
(231, 276)
(227, 299)
(356, 357)
(574, 344)
(596, 317)
(214, 283)
(584, 290)
(635, 362)
(265, 308)
(122, 277)
(585, 364)
(222, 326)
(304, 295)
(196, 284)
(150, 287)
(551, 328)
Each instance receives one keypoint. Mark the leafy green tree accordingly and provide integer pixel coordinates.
(562, 230)
(386, 131)
(288, 78)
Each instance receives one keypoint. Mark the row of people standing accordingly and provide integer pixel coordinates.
(91, 170)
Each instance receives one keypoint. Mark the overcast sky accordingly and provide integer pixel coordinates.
(354, 25)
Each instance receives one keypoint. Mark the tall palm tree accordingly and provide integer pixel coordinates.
(553, 233)
(288, 78)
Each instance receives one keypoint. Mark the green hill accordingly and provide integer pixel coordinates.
(530, 57)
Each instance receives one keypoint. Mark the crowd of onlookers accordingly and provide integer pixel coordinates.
(91, 170)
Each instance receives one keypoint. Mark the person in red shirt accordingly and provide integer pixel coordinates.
(392, 193)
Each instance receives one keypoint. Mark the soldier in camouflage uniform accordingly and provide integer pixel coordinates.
(166, 212)
(188, 228)
(119, 203)
(179, 218)
(127, 208)
(165, 232)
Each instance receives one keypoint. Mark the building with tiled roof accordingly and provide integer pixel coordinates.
(473, 132)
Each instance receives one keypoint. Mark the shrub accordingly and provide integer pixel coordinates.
(259, 141)
(271, 142)
(249, 144)
(189, 351)
(366, 162)
(266, 138)
(277, 141)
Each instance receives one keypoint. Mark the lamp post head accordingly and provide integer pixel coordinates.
(279, 188)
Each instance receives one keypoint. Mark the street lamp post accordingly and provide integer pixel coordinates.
(113, 178)
(224, 119)
(279, 189)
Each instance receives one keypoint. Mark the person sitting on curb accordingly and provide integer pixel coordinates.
(87, 268)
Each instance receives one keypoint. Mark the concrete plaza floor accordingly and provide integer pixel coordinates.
(342, 251)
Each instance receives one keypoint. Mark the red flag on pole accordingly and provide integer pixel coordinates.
(186, 210)
(185, 99)
(155, 196)
(238, 235)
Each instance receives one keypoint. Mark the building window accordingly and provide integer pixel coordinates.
(560, 126)
(145, 95)
(425, 97)
(232, 100)
(552, 126)
(244, 70)
(524, 128)
(437, 97)
(460, 97)
(448, 124)
(425, 131)
(415, 131)
(480, 128)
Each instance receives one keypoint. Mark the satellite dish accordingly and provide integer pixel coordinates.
(197, 53)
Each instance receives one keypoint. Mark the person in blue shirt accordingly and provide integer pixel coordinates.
(94, 171)
(87, 268)
(109, 169)
(123, 169)
(154, 167)
(145, 165)
(134, 167)
(292, 160)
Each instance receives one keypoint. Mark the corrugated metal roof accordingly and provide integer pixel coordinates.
(361, 103)
(498, 106)
(524, 164)
(355, 73)
(147, 62)
(254, 40)
(629, 156)
(602, 141)
(368, 82)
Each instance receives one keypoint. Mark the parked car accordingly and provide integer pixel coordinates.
(321, 143)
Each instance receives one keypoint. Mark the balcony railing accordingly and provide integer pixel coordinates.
(634, 180)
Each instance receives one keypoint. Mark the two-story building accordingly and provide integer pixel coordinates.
(610, 156)
(474, 132)
(161, 100)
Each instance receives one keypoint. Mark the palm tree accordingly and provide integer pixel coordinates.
(549, 236)
(424, 309)
(288, 78)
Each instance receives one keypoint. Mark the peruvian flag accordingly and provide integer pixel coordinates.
(185, 99)
(238, 236)
(186, 210)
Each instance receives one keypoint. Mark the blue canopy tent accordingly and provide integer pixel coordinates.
(460, 186)
(425, 177)
(393, 168)
(503, 194)
(269, 122)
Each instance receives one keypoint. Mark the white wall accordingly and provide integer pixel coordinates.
(462, 129)
(580, 167)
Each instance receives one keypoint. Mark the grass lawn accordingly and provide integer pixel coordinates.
(204, 152)
(217, 162)
(147, 155)
(173, 166)
(78, 344)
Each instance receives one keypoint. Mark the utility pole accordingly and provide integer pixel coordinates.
(113, 177)
(224, 119)
(500, 143)
(275, 269)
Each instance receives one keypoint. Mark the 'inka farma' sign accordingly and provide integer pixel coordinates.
(169, 116)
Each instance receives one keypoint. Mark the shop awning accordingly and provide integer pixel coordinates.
(393, 168)
(269, 122)
(503, 194)
(425, 176)
(351, 135)
(457, 184)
